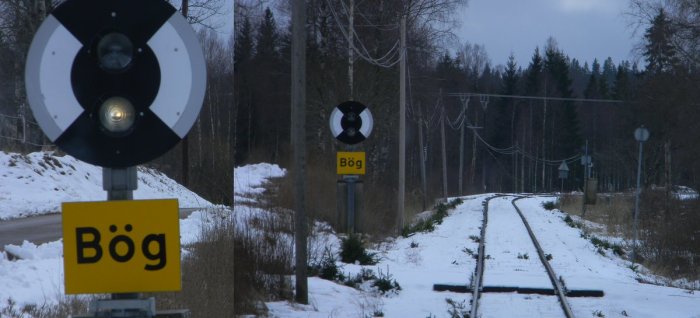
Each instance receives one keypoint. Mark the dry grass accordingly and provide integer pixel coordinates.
(70, 305)
(612, 211)
(250, 257)
(378, 217)
(669, 229)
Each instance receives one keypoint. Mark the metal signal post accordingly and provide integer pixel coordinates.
(117, 83)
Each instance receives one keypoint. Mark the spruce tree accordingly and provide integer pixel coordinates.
(659, 51)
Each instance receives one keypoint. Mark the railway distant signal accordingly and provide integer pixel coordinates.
(115, 83)
(351, 122)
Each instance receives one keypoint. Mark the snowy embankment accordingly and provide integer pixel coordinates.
(443, 256)
(37, 183)
(416, 263)
(37, 277)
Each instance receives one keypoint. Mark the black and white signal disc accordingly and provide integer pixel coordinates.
(115, 83)
(351, 122)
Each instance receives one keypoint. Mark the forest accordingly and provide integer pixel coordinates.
(507, 127)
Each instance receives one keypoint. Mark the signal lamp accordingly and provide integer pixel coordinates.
(115, 52)
(117, 115)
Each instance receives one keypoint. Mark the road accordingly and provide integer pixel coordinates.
(42, 229)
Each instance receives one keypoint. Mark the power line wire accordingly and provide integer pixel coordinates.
(390, 59)
(588, 100)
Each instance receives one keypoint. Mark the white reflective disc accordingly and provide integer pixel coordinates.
(48, 78)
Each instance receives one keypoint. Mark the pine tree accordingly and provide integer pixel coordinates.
(568, 138)
(243, 65)
(244, 43)
(504, 115)
(659, 51)
(593, 88)
(621, 85)
(267, 40)
(534, 74)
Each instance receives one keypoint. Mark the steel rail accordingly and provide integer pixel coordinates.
(559, 289)
(478, 278)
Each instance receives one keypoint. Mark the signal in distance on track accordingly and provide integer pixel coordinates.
(351, 122)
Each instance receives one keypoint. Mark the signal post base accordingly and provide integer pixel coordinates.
(131, 308)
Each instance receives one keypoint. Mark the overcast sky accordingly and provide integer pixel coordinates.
(584, 29)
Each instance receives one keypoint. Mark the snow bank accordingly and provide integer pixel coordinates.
(249, 179)
(38, 182)
(37, 277)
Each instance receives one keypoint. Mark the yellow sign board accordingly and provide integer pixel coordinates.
(351, 162)
(121, 246)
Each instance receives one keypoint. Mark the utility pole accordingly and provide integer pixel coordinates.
(299, 142)
(235, 125)
(465, 106)
(402, 126)
(544, 137)
(444, 151)
(586, 163)
(484, 100)
(473, 164)
(515, 168)
(422, 157)
(351, 48)
(522, 171)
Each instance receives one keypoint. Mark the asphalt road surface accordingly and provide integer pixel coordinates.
(42, 229)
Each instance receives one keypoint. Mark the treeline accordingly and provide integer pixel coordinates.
(553, 104)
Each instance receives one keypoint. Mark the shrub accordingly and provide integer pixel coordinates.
(617, 249)
(570, 222)
(352, 250)
(385, 283)
(457, 309)
(549, 205)
(441, 211)
(363, 276)
(468, 251)
(603, 245)
(327, 268)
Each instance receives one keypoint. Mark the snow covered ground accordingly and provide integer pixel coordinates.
(38, 182)
(443, 256)
(27, 183)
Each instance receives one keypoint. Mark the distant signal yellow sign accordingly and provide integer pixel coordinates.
(351, 163)
(121, 246)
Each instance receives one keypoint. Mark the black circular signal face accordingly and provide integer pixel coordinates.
(351, 122)
(115, 83)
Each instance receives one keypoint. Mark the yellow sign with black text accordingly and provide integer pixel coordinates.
(121, 246)
(351, 163)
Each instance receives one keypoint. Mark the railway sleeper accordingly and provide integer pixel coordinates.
(519, 290)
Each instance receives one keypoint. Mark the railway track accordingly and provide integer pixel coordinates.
(532, 284)
(478, 287)
(504, 284)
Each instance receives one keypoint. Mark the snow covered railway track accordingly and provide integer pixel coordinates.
(506, 273)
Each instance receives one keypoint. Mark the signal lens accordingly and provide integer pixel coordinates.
(117, 115)
(115, 52)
